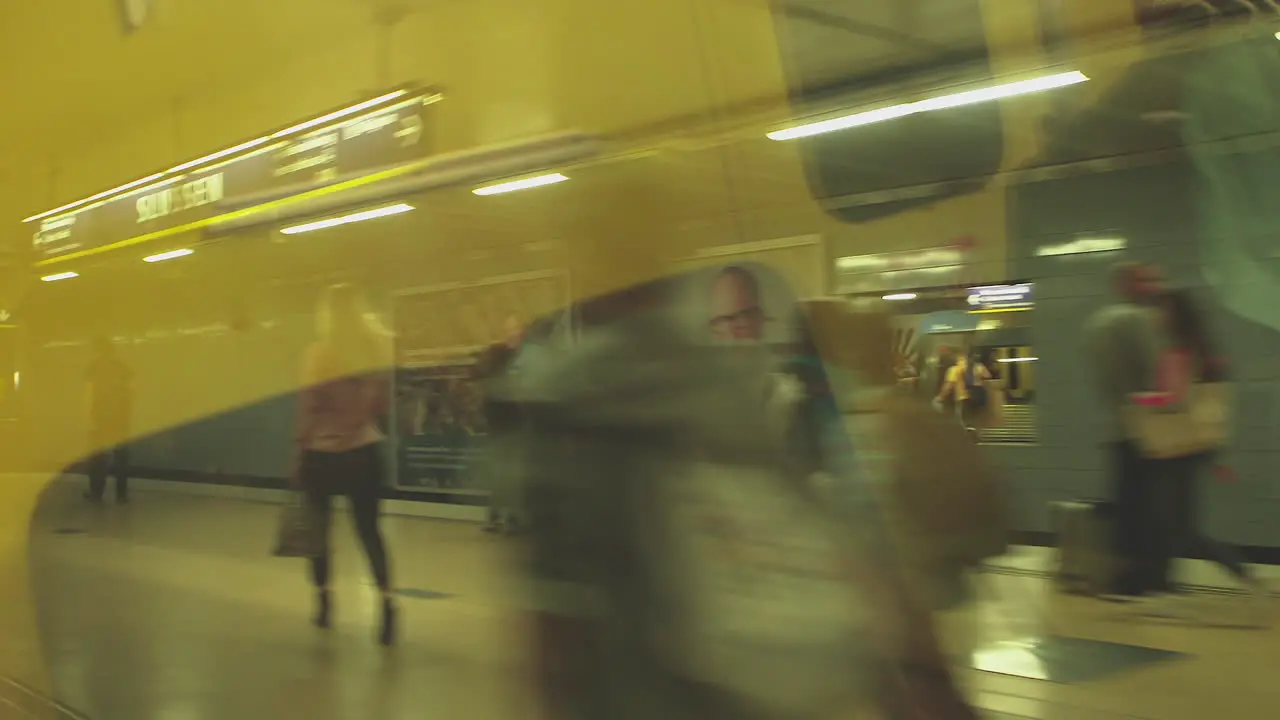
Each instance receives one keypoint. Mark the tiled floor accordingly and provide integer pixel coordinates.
(171, 609)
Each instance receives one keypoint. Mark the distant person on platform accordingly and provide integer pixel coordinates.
(109, 400)
(1125, 342)
(736, 311)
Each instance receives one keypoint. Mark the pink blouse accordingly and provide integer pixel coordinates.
(1173, 380)
(337, 414)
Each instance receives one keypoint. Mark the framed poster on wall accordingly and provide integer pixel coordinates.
(439, 424)
(800, 261)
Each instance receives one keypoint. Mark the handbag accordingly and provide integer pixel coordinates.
(1202, 423)
(300, 533)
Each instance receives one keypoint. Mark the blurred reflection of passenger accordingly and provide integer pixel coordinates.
(737, 313)
(109, 395)
(992, 413)
(345, 393)
(663, 498)
(947, 515)
(497, 362)
(625, 461)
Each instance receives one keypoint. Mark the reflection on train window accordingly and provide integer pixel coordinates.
(1015, 370)
(934, 331)
(833, 48)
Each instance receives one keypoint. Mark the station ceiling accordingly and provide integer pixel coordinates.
(72, 74)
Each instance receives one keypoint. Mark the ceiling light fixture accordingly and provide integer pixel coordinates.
(161, 257)
(969, 97)
(339, 114)
(91, 198)
(527, 183)
(60, 276)
(900, 296)
(361, 216)
(1017, 359)
(249, 145)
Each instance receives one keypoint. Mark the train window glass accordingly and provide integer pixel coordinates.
(834, 48)
(933, 328)
(1014, 366)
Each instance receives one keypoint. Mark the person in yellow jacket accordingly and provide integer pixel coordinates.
(959, 386)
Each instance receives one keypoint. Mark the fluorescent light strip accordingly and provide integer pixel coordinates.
(1017, 359)
(371, 114)
(256, 152)
(338, 114)
(219, 155)
(900, 296)
(256, 142)
(348, 219)
(970, 97)
(167, 255)
(91, 198)
(60, 276)
(527, 183)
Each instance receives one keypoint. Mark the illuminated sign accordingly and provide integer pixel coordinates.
(187, 196)
(1083, 246)
(898, 271)
(1001, 297)
(318, 153)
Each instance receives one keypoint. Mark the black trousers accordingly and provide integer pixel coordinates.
(1175, 500)
(356, 474)
(109, 461)
(1155, 518)
(1137, 545)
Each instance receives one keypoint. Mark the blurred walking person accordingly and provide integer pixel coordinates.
(109, 397)
(346, 392)
(502, 419)
(1189, 360)
(1125, 342)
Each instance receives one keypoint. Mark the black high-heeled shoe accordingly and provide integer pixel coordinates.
(324, 609)
(387, 634)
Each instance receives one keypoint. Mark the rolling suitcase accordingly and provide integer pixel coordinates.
(1086, 564)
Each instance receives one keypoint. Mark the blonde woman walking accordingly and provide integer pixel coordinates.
(345, 392)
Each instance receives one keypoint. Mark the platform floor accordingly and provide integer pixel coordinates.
(171, 609)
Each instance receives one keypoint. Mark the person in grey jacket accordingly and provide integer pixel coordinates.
(633, 400)
(1124, 343)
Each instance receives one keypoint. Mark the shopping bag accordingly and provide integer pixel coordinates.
(300, 532)
(1204, 424)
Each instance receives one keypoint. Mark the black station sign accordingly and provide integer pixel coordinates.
(260, 170)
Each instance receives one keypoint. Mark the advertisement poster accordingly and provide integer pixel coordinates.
(801, 262)
(440, 333)
(746, 301)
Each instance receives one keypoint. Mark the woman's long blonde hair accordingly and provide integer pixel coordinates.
(351, 334)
